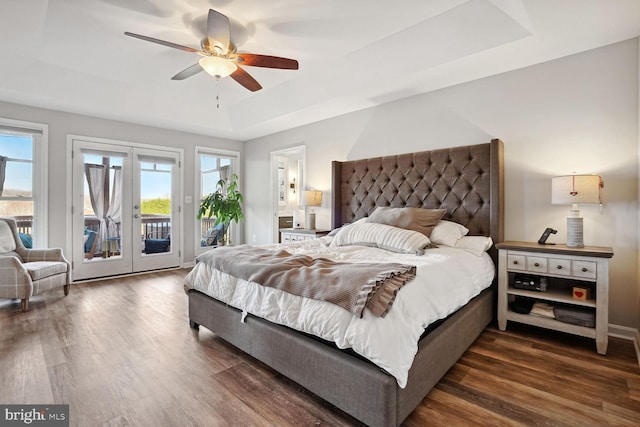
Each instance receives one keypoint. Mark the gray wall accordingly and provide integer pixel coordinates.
(62, 124)
(575, 114)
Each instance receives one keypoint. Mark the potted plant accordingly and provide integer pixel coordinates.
(225, 205)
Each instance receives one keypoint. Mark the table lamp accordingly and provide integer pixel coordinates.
(574, 190)
(312, 198)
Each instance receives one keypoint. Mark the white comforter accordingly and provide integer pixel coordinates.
(446, 279)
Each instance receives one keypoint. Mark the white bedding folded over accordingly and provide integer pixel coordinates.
(447, 278)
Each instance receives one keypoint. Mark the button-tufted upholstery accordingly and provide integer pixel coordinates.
(462, 180)
(27, 272)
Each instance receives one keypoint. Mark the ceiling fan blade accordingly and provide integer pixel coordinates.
(245, 79)
(267, 61)
(188, 72)
(218, 31)
(164, 43)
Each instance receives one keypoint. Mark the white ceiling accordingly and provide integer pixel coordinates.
(72, 55)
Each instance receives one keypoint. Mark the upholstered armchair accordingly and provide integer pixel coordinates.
(27, 272)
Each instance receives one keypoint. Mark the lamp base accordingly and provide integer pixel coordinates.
(574, 232)
(311, 221)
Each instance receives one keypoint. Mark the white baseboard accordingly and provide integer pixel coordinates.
(624, 332)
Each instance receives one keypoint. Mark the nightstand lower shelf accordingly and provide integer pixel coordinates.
(544, 322)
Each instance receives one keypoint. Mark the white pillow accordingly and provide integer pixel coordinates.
(382, 236)
(447, 233)
(475, 244)
(335, 230)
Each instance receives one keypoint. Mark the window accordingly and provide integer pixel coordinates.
(212, 165)
(23, 171)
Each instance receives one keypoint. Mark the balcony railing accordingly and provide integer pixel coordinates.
(153, 226)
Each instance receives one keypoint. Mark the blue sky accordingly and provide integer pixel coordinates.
(18, 175)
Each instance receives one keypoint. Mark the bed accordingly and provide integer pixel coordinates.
(465, 181)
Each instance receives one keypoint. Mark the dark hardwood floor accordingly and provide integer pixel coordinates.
(120, 352)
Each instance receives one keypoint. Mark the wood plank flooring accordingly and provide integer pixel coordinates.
(120, 352)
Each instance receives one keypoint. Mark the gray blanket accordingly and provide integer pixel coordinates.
(352, 286)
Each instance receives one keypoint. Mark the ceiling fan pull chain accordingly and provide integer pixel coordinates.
(217, 92)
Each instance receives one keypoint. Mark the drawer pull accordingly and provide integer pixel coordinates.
(559, 267)
(584, 269)
(515, 262)
(536, 264)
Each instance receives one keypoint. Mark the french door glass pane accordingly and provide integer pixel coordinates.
(155, 207)
(102, 238)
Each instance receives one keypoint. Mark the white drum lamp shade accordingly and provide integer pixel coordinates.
(311, 198)
(574, 190)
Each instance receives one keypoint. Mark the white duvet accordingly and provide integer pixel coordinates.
(446, 279)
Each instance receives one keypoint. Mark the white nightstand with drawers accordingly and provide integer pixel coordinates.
(560, 269)
(288, 235)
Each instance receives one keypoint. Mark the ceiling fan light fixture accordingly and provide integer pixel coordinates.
(216, 66)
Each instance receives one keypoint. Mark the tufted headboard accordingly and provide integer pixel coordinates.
(466, 181)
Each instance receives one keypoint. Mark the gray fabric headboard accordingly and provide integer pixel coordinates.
(466, 181)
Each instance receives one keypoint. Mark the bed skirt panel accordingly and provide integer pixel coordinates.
(442, 347)
(347, 382)
(356, 386)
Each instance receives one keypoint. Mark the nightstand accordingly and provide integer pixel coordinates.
(559, 269)
(288, 235)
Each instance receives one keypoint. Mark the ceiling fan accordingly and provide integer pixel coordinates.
(219, 57)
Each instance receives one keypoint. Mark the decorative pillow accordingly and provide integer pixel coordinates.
(447, 233)
(90, 236)
(336, 230)
(475, 244)
(26, 239)
(364, 233)
(156, 246)
(416, 219)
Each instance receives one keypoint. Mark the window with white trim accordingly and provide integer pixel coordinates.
(23, 170)
(211, 166)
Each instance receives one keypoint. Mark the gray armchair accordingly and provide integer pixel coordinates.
(27, 272)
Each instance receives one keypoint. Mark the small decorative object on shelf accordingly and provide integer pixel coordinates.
(575, 298)
(581, 293)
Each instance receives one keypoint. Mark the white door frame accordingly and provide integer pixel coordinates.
(274, 155)
(72, 151)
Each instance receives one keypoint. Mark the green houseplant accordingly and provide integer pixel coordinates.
(225, 205)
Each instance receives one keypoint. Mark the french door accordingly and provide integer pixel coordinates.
(126, 213)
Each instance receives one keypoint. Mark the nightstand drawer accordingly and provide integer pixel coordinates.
(586, 269)
(560, 266)
(536, 264)
(516, 262)
(289, 235)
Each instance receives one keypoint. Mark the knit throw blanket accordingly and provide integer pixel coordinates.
(352, 286)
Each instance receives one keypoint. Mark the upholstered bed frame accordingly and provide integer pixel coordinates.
(468, 182)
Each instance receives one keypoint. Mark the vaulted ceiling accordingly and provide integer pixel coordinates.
(72, 55)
